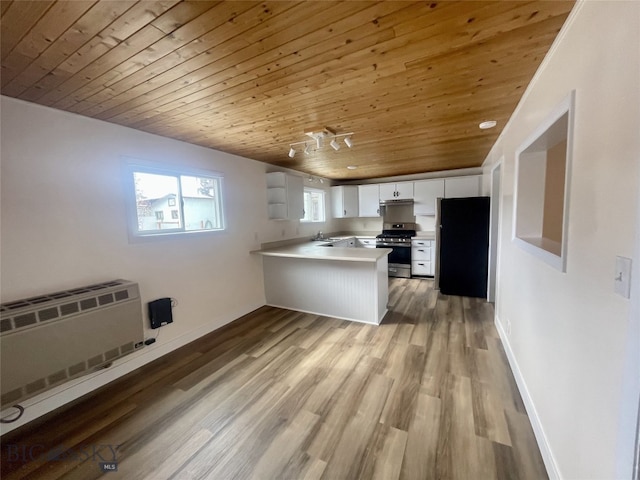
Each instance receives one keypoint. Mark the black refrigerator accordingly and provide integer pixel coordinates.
(463, 246)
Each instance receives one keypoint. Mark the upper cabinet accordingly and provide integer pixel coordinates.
(395, 191)
(369, 200)
(456, 187)
(425, 193)
(344, 201)
(284, 196)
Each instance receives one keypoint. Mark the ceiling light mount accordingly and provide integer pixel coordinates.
(320, 136)
(488, 124)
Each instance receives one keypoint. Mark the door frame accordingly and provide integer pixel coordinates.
(494, 229)
(628, 447)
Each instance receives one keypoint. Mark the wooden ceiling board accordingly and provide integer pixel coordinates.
(412, 80)
(299, 104)
(227, 70)
(31, 83)
(131, 88)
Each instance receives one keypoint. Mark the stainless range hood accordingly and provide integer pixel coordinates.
(396, 201)
(397, 211)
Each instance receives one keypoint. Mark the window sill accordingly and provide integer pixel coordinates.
(160, 237)
(549, 251)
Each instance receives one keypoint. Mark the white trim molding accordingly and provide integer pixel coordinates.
(541, 438)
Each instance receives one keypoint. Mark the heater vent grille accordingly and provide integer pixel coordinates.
(50, 339)
(14, 316)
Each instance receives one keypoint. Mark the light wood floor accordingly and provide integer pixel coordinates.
(280, 394)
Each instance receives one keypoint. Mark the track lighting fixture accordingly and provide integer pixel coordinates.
(315, 179)
(319, 137)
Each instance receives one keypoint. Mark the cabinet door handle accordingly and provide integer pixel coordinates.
(345, 213)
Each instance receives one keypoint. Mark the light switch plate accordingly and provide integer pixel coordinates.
(622, 280)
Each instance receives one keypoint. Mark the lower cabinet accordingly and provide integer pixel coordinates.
(423, 257)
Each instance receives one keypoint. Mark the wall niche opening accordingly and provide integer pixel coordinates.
(542, 187)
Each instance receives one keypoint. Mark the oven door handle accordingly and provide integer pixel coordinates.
(393, 245)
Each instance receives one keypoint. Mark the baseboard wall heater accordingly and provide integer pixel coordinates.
(49, 339)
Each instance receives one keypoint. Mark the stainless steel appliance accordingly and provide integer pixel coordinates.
(397, 236)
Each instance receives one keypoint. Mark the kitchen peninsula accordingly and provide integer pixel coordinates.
(347, 283)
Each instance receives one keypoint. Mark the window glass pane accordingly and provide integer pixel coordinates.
(154, 196)
(313, 206)
(168, 202)
(201, 203)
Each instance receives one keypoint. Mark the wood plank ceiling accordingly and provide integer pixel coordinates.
(412, 80)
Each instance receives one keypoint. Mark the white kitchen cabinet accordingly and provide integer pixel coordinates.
(369, 200)
(284, 196)
(344, 201)
(396, 191)
(422, 257)
(458, 187)
(425, 193)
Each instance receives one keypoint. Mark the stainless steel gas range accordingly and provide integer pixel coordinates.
(397, 236)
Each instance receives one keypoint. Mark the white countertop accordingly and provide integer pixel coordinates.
(425, 236)
(314, 251)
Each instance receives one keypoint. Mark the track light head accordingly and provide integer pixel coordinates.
(332, 137)
(292, 152)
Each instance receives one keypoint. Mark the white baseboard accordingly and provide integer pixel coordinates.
(56, 397)
(543, 444)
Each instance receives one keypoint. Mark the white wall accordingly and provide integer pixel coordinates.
(569, 331)
(64, 225)
(424, 223)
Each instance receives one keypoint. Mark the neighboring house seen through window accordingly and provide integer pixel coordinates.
(167, 201)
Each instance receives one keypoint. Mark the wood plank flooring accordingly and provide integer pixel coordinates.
(280, 394)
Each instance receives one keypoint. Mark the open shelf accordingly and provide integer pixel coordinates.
(542, 187)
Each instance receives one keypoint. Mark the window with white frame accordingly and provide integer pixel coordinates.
(166, 201)
(313, 205)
